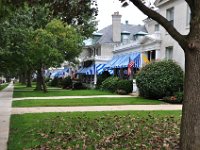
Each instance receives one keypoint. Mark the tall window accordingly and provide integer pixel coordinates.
(169, 53)
(188, 16)
(170, 15)
(157, 28)
(97, 51)
(151, 55)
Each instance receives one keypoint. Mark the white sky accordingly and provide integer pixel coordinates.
(108, 7)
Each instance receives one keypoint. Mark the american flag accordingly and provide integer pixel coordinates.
(130, 66)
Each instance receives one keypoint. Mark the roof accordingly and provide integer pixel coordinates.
(107, 32)
(141, 33)
(158, 3)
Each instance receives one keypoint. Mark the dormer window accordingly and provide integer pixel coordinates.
(96, 37)
(139, 35)
(125, 35)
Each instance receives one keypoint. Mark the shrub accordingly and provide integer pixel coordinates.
(34, 80)
(47, 80)
(124, 85)
(101, 78)
(67, 83)
(121, 92)
(160, 79)
(79, 86)
(110, 84)
(176, 99)
(54, 82)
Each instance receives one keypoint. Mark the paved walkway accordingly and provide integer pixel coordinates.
(5, 112)
(95, 108)
(66, 97)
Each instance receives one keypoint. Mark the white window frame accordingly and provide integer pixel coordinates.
(188, 16)
(170, 15)
(157, 27)
(169, 53)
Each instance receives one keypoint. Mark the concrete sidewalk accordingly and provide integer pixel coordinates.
(5, 112)
(95, 108)
(66, 97)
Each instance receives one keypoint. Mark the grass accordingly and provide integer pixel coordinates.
(95, 130)
(59, 93)
(23, 91)
(85, 102)
(3, 86)
(21, 87)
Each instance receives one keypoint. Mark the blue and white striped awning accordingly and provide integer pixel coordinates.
(60, 73)
(91, 69)
(134, 56)
(121, 61)
(112, 62)
(83, 70)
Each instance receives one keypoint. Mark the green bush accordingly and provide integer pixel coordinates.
(101, 78)
(110, 84)
(79, 86)
(160, 79)
(67, 83)
(54, 82)
(47, 79)
(176, 99)
(124, 86)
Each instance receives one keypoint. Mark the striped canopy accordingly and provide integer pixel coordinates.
(91, 69)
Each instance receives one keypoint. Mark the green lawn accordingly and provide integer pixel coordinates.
(21, 87)
(95, 130)
(59, 93)
(86, 102)
(23, 91)
(3, 86)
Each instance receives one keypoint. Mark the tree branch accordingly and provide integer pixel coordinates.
(161, 20)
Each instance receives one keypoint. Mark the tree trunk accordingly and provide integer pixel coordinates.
(20, 78)
(29, 78)
(40, 85)
(190, 123)
(23, 78)
(39, 80)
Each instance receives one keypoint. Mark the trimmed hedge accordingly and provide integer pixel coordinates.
(110, 84)
(67, 83)
(124, 86)
(55, 82)
(160, 79)
(114, 84)
(176, 99)
(79, 86)
(101, 78)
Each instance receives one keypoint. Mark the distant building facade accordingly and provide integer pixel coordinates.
(158, 44)
(98, 50)
(178, 13)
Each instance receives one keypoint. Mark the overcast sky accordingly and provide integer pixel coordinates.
(108, 7)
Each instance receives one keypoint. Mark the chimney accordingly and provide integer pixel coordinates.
(116, 27)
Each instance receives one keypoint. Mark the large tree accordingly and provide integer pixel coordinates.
(15, 37)
(44, 54)
(79, 13)
(190, 123)
(52, 45)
